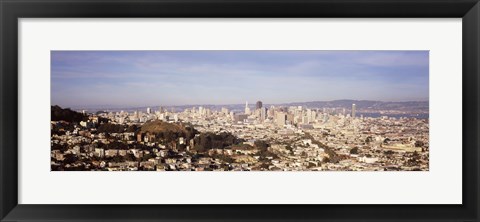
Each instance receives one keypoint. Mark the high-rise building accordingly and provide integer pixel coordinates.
(149, 111)
(280, 120)
(263, 114)
(247, 109)
(224, 111)
(271, 111)
(305, 119)
(309, 116)
(354, 109)
(240, 117)
(136, 114)
(259, 105)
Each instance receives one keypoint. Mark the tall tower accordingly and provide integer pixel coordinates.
(263, 114)
(259, 105)
(247, 110)
(354, 109)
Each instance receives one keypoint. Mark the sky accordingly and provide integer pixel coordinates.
(169, 78)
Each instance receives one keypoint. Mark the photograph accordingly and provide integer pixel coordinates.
(329, 105)
(239, 110)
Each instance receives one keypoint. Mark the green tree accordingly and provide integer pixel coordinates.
(354, 150)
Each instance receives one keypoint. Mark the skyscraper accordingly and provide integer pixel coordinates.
(259, 105)
(354, 109)
(247, 110)
(280, 120)
(309, 116)
(263, 114)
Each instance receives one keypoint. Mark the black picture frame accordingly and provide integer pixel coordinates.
(12, 10)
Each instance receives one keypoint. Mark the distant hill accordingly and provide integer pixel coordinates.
(365, 104)
(68, 115)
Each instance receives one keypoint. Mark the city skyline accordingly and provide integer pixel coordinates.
(239, 111)
(219, 106)
(173, 78)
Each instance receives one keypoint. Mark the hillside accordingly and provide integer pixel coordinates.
(58, 114)
(158, 126)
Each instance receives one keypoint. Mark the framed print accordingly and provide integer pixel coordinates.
(225, 110)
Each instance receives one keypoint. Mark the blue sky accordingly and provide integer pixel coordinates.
(151, 78)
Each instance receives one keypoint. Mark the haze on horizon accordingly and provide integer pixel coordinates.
(170, 78)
